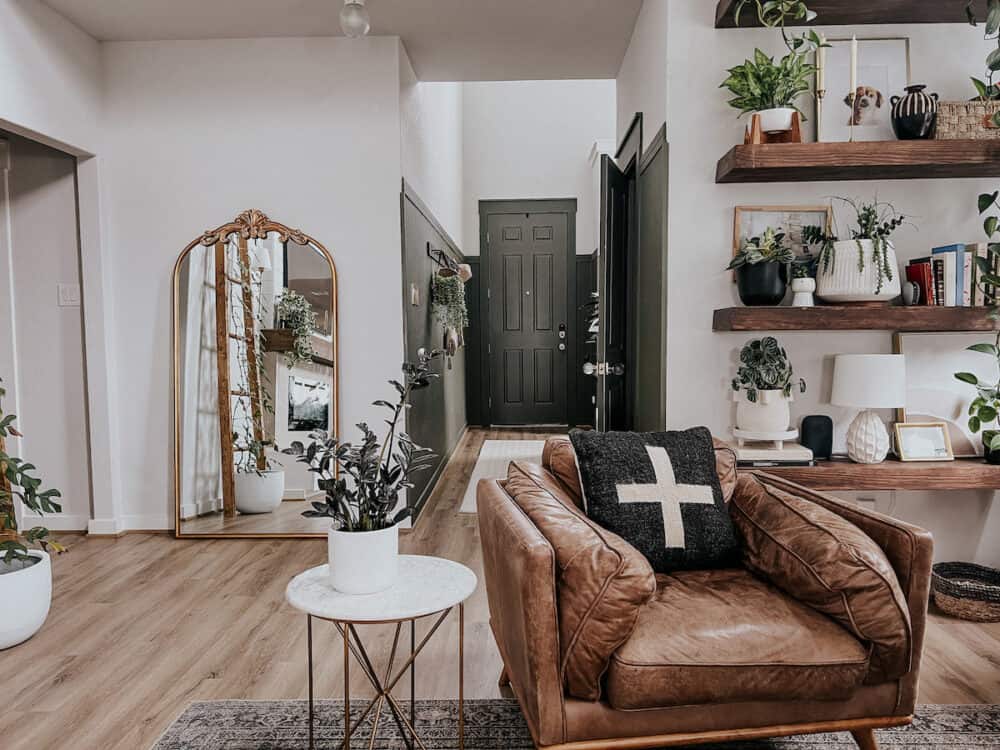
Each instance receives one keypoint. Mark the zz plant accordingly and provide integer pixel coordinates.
(764, 366)
(362, 495)
(17, 484)
(767, 248)
(985, 407)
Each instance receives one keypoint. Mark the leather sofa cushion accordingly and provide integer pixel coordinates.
(827, 562)
(723, 636)
(725, 465)
(601, 581)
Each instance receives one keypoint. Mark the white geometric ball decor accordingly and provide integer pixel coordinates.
(867, 439)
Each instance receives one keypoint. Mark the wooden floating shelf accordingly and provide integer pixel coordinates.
(845, 475)
(875, 160)
(283, 340)
(853, 13)
(854, 318)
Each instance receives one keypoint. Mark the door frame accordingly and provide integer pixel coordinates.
(489, 208)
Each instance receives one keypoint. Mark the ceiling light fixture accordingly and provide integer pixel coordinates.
(354, 18)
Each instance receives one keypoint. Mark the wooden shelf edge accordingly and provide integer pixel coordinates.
(852, 13)
(854, 318)
(842, 475)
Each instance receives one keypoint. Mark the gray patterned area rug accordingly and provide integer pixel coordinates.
(497, 725)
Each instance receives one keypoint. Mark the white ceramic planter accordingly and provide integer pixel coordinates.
(778, 120)
(259, 493)
(843, 282)
(769, 414)
(363, 562)
(26, 595)
(802, 292)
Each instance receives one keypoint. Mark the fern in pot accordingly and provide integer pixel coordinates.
(761, 268)
(25, 567)
(363, 483)
(763, 387)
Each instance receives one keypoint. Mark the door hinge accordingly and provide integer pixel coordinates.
(489, 348)
(489, 402)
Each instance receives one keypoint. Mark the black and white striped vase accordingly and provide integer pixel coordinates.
(914, 116)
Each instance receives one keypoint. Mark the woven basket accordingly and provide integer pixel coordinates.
(967, 120)
(968, 591)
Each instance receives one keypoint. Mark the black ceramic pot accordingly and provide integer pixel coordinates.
(992, 457)
(914, 116)
(762, 283)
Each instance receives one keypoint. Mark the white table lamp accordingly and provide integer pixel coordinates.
(868, 382)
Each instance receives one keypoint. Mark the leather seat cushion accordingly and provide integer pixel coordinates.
(722, 636)
(601, 580)
(827, 562)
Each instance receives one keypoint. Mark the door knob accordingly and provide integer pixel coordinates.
(589, 368)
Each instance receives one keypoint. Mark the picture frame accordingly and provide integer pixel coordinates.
(923, 441)
(308, 404)
(751, 221)
(883, 71)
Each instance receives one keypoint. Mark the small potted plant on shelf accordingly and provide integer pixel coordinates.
(985, 407)
(761, 268)
(293, 311)
(803, 285)
(363, 483)
(862, 268)
(25, 567)
(763, 387)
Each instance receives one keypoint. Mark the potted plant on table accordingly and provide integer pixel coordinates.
(25, 567)
(862, 268)
(763, 387)
(761, 268)
(363, 483)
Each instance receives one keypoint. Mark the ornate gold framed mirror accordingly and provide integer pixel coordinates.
(255, 373)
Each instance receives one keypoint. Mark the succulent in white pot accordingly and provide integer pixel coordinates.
(363, 484)
(25, 567)
(763, 387)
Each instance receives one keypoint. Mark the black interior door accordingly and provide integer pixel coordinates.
(613, 404)
(528, 318)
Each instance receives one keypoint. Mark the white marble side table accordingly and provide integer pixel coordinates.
(426, 586)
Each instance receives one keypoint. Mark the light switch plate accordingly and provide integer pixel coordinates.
(69, 295)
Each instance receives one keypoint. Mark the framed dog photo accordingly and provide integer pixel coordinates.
(923, 441)
(883, 71)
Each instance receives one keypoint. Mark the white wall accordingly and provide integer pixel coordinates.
(306, 130)
(431, 133)
(532, 139)
(642, 78)
(701, 128)
(49, 77)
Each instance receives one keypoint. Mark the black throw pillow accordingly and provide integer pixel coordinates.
(661, 493)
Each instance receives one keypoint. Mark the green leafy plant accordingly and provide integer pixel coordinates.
(364, 496)
(769, 247)
(17, 484)
(876, 221)
(448, 302)
(776, 13)
(987, 279)
(987, 90)
(985, 407)
(801, 270)
(764, 366)
(293, 311)
(761, 83)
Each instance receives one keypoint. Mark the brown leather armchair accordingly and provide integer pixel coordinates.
(713, 655)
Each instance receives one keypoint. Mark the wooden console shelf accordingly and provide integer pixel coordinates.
(876, 160)
(854, 318)
(853, 13)
(845, 475)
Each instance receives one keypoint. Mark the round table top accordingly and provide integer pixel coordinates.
(425, 585)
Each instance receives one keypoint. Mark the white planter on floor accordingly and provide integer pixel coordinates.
(777, 120)
(843, 282)
(769, 414)
(26, 594)
(259, 493)
(363, 562)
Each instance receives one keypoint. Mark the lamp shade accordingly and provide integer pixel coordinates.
(869, 381)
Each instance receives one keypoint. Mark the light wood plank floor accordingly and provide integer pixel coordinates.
(143, 625)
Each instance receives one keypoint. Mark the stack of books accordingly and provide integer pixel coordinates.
(949, 276)
(763, 454)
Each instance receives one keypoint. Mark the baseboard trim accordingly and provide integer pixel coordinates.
(105, 527)
(58, 521)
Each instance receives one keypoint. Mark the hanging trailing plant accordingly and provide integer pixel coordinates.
(448, 302)
(294, 311)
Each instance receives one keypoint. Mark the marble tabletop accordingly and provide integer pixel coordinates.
(425, 585)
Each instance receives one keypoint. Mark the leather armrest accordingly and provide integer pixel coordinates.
(910, 551)
(519, 569)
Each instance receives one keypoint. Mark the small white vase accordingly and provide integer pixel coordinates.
(802, 292)
(363, 562)
(26, 595)
(841, 281)
(867, 439)
(259, 493)
(770, 413)
(777, 120)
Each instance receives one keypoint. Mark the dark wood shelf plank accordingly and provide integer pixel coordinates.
(853, 12)
(845, 475)
(853, 318)
(283, 340)
(877, 160)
